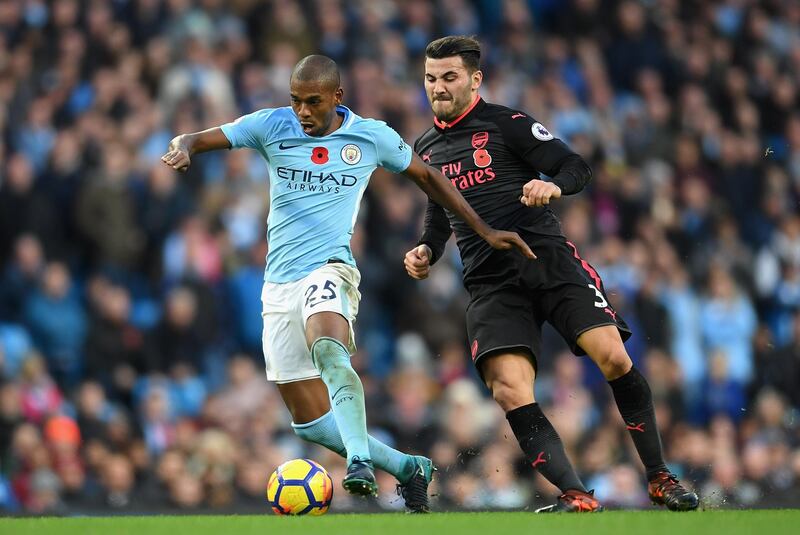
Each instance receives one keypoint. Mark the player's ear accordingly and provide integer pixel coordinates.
(477, 79)
(338, 96)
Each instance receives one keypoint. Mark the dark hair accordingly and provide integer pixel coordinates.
(457, 45)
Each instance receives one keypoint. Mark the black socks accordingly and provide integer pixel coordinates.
(542, 446)
(635, 403)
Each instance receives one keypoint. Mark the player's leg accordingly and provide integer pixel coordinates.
(307, 400)
(312, 420)
(504, 337)
(330, 306)
(632, 394)
(289, 364)
(288, 359)
(635, 403)
(510, 377)
(574, 301)
(327, 335)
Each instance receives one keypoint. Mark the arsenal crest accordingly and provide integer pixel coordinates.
(481, 156)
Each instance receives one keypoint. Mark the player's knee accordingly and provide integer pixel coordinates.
(511, 393)
(614, 361)
(329, 353)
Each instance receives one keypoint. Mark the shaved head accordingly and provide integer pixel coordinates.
(316, 91)
(319, 69)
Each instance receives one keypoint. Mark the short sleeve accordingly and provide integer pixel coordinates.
(248, 130)
(394, 154)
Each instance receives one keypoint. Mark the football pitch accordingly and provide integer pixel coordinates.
(768, 522)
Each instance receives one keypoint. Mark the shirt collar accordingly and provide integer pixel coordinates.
(347, 119)
(347, 116)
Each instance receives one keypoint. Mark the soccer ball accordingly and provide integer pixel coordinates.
(300, 487)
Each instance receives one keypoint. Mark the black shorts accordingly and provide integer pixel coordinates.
(511, 297)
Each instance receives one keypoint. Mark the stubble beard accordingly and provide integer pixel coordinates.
(455, 109)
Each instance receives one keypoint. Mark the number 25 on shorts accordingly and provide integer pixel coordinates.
(327, 293)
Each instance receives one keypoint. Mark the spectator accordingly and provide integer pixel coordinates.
(114, 347)
(78, 492)
(245, 296)
(728, 322)
(10, 414)
(23, 209)
(20, 277)
(723, 395)
(118, 486)
(157, 423)
(39, 395)
(105, 212)
(94, 411)
(780, 368)
(176, 339)
(186, 492)
(164, 204)
(45, 489)
(57, 322)
(243, 397)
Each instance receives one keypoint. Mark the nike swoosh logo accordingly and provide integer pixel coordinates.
(284, 147)
(340, 389)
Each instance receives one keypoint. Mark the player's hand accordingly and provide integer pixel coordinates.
(538, 193)
(504, 240)
(177, 155)
(418, 262)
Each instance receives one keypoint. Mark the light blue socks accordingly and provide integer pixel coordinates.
(323, 431)
(332, 360)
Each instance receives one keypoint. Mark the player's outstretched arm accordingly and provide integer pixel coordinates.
(441, 191)
(183, 147)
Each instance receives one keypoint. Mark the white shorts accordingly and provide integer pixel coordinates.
(286, 308)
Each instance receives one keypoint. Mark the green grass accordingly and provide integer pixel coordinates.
(770, 522)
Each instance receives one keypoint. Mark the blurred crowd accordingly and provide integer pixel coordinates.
(130, 329)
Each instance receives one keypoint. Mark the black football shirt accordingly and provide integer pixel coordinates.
(489, 153)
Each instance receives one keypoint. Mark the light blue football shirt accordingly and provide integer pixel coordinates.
(316, 183)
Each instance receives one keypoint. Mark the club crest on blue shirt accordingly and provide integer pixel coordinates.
(351, 154)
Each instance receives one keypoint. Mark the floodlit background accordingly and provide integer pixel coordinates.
(130, 328)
